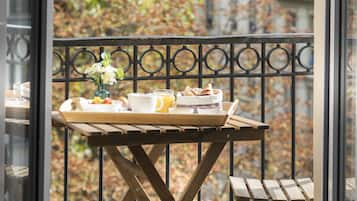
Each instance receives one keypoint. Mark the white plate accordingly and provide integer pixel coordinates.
(200, 100)
(87, 107)
(101, 107)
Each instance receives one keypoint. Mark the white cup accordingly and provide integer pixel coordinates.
(143, 103)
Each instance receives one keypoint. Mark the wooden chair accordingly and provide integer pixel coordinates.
(284, 189)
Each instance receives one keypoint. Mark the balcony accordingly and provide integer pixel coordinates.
(271, 75)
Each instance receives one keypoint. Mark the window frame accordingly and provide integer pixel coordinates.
(3, 8)
(41, 96)
(40, 105)
(329, 89)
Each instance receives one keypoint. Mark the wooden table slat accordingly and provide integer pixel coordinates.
(208, 129)
(108, 129)
(148, 128)
(292, 191)
(169, 129)
(238, 125)
(175, 138)
(189, 128)
(227, 128)
(257, 189)
(85, 129)
(253, 123)
(307, 186)
(127, 129)
(274, 189)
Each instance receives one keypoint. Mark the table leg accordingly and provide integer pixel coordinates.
(136, 189)
(154, 155)
(148, 168)
(201, 172)
(151, 173)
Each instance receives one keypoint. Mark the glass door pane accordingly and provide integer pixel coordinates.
(351, 100)
(16, 76)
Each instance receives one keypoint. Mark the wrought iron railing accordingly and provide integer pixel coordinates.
(18, 51)
(191, 58)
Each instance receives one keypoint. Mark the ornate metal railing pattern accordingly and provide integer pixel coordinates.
(18, 50)
(231, 58)
(193, 58)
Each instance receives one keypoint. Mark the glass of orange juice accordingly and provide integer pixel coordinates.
(166, 100)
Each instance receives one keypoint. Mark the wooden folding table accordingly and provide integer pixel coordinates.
(110, 136)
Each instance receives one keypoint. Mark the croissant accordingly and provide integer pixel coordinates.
(208, 90)
(188, 91)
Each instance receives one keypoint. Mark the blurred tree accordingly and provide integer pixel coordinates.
(126, 17)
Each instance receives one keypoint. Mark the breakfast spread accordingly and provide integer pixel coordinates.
(199, 100)
(198, 96)
(191, 100)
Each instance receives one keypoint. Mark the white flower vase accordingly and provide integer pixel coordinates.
(102, 92)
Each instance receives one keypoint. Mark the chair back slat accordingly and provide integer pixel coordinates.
(350, 188)
(292, 190)
(307, 187)
(240, 189)
(274, 189)
(277, 190)
(257, 189)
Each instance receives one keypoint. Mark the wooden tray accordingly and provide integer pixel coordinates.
(150, 118)
(145, 118)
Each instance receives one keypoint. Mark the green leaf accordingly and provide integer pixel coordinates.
(106, 59)
(120, 74)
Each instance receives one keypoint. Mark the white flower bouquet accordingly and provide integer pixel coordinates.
(103, 73)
